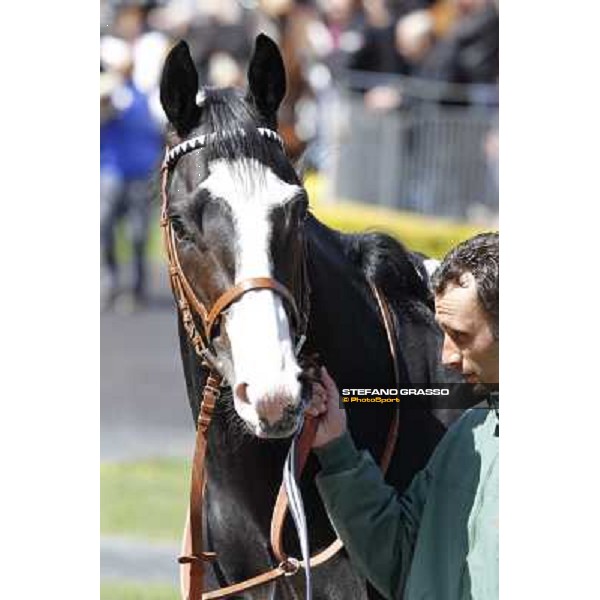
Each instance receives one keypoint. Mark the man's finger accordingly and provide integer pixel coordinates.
(317, 406)
(316, 411)
(330, 386)
(318, 390)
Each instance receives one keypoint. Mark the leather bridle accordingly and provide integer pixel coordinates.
(202, 341)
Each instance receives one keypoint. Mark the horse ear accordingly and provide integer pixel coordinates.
(178, 89)
(266, 76)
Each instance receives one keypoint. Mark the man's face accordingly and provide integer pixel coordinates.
(469, 345)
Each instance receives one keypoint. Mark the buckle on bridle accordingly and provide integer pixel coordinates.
(290, 566)
(211, 359)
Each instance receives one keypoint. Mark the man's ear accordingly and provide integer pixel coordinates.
(178, 89)
(266, 77)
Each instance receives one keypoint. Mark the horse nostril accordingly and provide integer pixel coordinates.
(240, 392)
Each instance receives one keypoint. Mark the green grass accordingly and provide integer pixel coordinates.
(119, 590)
(146, 499)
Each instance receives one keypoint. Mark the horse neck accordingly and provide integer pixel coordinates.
(345, 327)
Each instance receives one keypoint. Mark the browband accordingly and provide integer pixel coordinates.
(175, 153)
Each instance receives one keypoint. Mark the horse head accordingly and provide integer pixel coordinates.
(236, 209)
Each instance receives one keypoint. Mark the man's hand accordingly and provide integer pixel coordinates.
(325, 405)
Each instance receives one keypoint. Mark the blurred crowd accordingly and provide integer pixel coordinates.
(449, 41)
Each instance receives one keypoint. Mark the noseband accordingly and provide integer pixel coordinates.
(186, 298)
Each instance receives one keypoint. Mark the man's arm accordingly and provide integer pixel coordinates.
(378, 528)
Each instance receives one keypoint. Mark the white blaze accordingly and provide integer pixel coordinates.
(257, 325)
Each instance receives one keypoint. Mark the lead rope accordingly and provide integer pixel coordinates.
(296, 506)
(289, 495)
(290, 480)
(290, 467)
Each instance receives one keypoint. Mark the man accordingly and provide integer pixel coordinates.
(439, 540)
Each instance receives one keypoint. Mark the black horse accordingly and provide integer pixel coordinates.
(239, 210)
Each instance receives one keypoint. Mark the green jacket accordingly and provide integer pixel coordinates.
(438, 541)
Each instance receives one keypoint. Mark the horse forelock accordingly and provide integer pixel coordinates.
(235, 121)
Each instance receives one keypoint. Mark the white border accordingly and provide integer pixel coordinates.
(549, 242)
(49, 441)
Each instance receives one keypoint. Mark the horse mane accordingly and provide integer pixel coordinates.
(385, 262)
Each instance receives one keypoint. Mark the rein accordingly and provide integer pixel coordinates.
(188, 304)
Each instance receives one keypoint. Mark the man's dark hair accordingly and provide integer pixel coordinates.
(478, 255)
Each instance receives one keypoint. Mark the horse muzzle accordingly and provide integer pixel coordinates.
(272, 414)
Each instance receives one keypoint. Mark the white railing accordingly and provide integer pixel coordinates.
(435, 154)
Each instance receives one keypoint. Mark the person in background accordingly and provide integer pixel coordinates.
(131, 144)
(440, 538)
(411, 38)
(469, 52)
